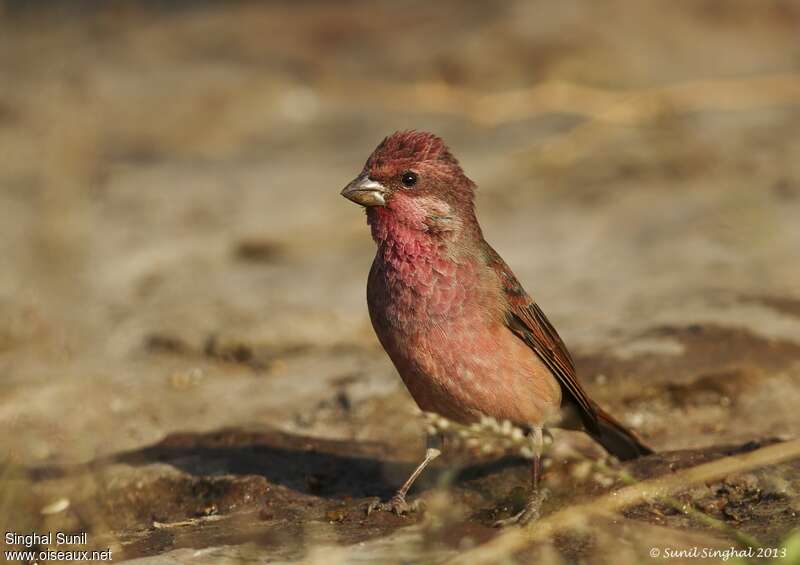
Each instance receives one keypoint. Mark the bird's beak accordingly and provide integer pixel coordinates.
(362, 190)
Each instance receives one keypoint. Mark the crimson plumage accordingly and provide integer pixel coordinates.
(465, 337)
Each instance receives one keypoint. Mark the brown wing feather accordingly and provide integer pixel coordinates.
(526, 319)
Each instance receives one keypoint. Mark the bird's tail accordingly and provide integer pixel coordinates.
(616, 438)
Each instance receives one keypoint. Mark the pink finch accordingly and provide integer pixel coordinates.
(464, 335)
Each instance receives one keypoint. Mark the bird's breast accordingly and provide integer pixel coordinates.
(414, 287)
(439, 323)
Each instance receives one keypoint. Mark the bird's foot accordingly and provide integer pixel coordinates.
(529, 514)
(397, 505)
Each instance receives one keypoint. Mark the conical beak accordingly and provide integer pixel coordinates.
(362, 190)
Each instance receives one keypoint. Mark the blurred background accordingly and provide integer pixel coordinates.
(186, 359)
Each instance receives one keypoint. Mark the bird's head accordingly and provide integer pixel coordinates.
(412, 179)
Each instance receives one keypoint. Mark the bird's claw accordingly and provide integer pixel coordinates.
(396, 505)
(529, 514)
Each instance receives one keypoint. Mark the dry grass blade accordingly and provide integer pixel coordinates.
(515, 540)
(624, 106)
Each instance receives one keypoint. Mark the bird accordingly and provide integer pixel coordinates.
(465, 337)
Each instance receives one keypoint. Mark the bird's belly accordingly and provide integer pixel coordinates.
(467, 367)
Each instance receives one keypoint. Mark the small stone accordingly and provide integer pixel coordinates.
(56, 507)
(581, 471)
(337, 515)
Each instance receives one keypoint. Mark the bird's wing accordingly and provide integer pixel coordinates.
(524, 317)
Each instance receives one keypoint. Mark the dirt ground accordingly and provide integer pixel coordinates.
(187, 366)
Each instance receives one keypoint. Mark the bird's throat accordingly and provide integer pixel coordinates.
(404, 245)
(417, 278)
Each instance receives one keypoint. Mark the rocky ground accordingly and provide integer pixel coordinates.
(188, 371)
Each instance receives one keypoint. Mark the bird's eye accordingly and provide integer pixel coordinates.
(409, 178)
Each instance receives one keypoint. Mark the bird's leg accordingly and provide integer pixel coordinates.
(530, 512)
(397, 503)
